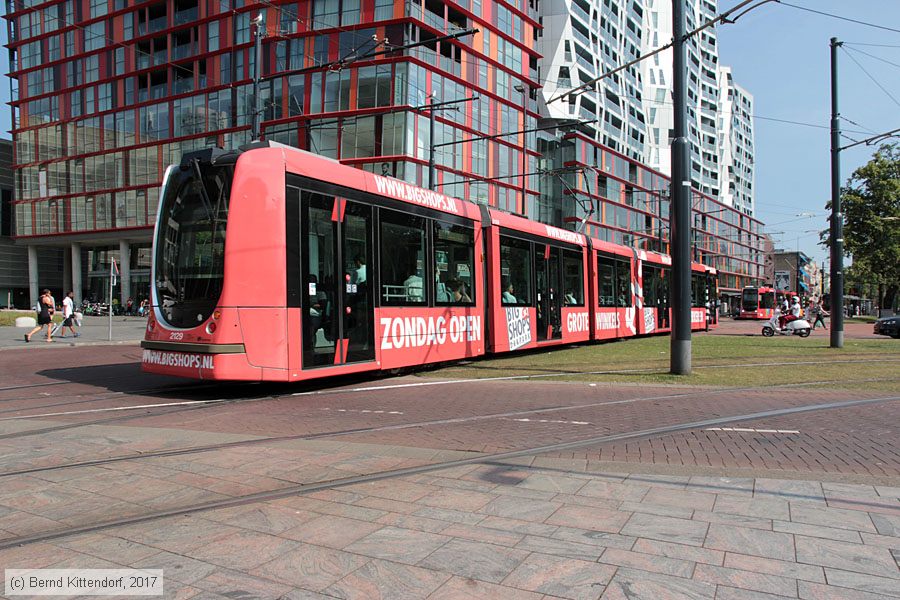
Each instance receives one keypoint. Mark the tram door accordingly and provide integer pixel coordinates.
(549, 297)
(712, 300)
(337, 304)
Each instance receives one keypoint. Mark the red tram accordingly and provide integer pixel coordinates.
(760, 302)
(266, 268)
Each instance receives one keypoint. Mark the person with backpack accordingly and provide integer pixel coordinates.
(44, 316)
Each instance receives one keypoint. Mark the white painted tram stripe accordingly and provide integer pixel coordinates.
(751, 430)
(111, 409)
(356, 410)
(551, 421)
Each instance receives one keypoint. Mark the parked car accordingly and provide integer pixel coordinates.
(888, 326)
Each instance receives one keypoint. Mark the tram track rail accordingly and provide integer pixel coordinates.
(397, 426)
(342, 390)
(82, 399)
(306, 488)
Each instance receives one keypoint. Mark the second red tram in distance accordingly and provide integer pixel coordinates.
(760, 302)
(274, 264)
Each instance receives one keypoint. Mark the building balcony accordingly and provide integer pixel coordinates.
(586, 64)
(157, 24)
(581, 13)
(581, 40)
(183, 51)
(186, 16)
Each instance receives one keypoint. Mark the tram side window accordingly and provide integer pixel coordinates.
(515, 271)
(606, 268)
(698, 290)
(651, 286)
(623, 283)
(573, 278)
(402, 269)
(767, 300)
(663, 290)
(454, 264)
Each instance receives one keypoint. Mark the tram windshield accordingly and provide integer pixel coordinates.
(190, 249)
(750, 299)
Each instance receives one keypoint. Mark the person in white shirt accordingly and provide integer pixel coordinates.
(359, 276)
(414, 287)
(508, 289)
(69, 315)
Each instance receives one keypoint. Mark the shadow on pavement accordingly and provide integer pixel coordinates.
(128, 378)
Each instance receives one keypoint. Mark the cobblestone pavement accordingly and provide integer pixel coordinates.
(542, 528)
(794, 506)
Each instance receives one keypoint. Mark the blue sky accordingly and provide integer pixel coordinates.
(780, 55)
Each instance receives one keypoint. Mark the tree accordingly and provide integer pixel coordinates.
(871, 204)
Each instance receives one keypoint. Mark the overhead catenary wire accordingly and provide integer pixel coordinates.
(839, 17)
(893, 64)
(874, 80)
(852, 122)
(873, 45)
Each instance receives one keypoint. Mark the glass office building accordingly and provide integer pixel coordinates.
(106, 93)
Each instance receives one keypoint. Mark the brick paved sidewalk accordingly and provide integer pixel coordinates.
(538, 529)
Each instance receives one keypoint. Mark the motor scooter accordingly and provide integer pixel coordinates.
(799, 326)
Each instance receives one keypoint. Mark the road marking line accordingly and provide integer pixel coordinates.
(751, 430)
(112, 409)
(550, 421)
(357, 410)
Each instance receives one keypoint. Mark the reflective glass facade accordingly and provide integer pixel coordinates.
(619, 200)
(107, 93)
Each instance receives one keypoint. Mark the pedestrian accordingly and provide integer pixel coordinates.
(359, 275)
(69, 315)
(508, 290)
(820, 313)
(129, 307)
(44, 317)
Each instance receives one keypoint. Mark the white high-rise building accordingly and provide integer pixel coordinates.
(702, 92)
(736, 170)
(582, 39)
(721, 148)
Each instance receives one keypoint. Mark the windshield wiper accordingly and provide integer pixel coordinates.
(207, 204)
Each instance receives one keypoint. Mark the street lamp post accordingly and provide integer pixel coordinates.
(257, 72)
(680, 209)
(431, 169)
(524, 90)
(837, 218)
